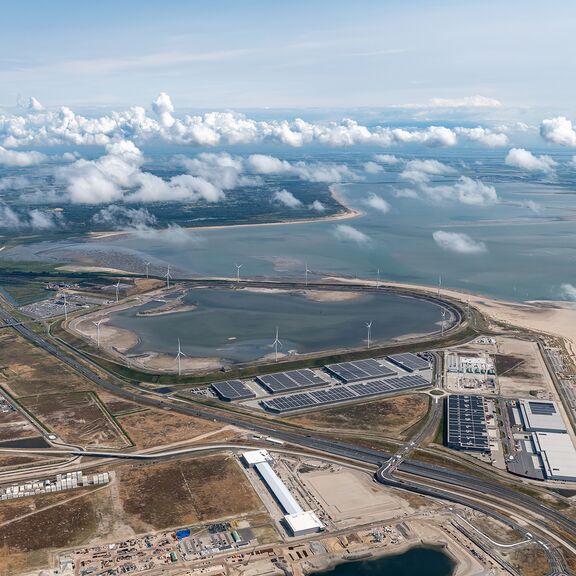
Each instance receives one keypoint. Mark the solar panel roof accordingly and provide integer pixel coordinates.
(360, 370)
(343, 393)
(408, 361)
(232, 390)
(466, 423)
(291, 380)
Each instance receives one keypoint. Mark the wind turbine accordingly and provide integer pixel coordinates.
(276, 343)
(238, 266)
(147, 264)
(117, 285)
(468, 307)
(443, 317)
(439, 284)
(369, 328)
(168, 276)
(378, 278)
(65, 307)
(97, 324)
(307, 271)
(180, 353)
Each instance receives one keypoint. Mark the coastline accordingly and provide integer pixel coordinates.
(347, 214)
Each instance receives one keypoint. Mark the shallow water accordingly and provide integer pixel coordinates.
(240, 325)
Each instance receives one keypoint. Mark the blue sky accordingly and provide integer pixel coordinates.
(297, 54)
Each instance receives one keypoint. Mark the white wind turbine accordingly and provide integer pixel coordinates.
(180, 353)
(276, 343)
(439, 284)
(378, 278)
(443, 318)
(147, 264)
(168, 276)
(97, 324)
(117, 286)
(369, 328)
(306, 272)
(65, 307)
(238, 266)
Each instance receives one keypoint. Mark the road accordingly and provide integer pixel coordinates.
(452, 482)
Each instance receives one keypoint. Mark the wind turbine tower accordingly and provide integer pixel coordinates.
(307, 271)
(147, 264)
(97, 324)
(276, 343)
(65, 307)
(238, 266)
(168, 276)
(369, 328)
(378, 278)
(180, 353)
(443, 318)
(117, 286)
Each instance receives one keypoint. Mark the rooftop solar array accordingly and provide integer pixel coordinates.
(232, 390)
(342, 393)
(359, 370)
(292, 380)
(408, 361)
(466, 423)
(544, 408)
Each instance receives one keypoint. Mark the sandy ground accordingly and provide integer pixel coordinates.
(350, 497)
(331, 296)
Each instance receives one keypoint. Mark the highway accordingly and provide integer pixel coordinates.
(452, 482)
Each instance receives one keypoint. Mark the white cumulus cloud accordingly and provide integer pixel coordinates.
(524, 159)
(20, 159)
(568, 292)
(458, 242)
(348, 233)
(558, 130)
(287, 198)
(377, 203)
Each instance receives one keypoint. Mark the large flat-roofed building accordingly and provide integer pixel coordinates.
(557, 453)
(303, 523)
(466, 424)
(541, 416)
(297, 521)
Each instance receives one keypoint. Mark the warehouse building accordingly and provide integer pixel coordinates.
(540, 416)
(557, 454)
(297, 521)
(466, 424)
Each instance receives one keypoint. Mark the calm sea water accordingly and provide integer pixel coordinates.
(240, 326)
(415, 562)
(530, 239)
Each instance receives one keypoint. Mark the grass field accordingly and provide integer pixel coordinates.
(389, 417)
(185, 492)
(77, 418)
(25, 543)
(26, 370)
(150, 427)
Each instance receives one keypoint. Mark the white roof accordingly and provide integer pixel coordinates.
(558, 454)
(303, 521)
(255, 456)
(278, 488)
(541, 416)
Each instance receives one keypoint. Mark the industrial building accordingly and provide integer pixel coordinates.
(557, 454)
(298, 521)
(229, 390)
(466, 424)
(540, 416)
(460, 364)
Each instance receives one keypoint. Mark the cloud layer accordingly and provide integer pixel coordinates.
(160, 123)
(458, 242)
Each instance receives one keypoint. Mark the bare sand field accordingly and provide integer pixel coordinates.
(350, 497)
(390, 416)
(77, 418)
(149, 428)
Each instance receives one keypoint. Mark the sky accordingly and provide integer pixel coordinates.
(406, 55)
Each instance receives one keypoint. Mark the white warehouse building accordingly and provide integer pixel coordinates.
(298, 521)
